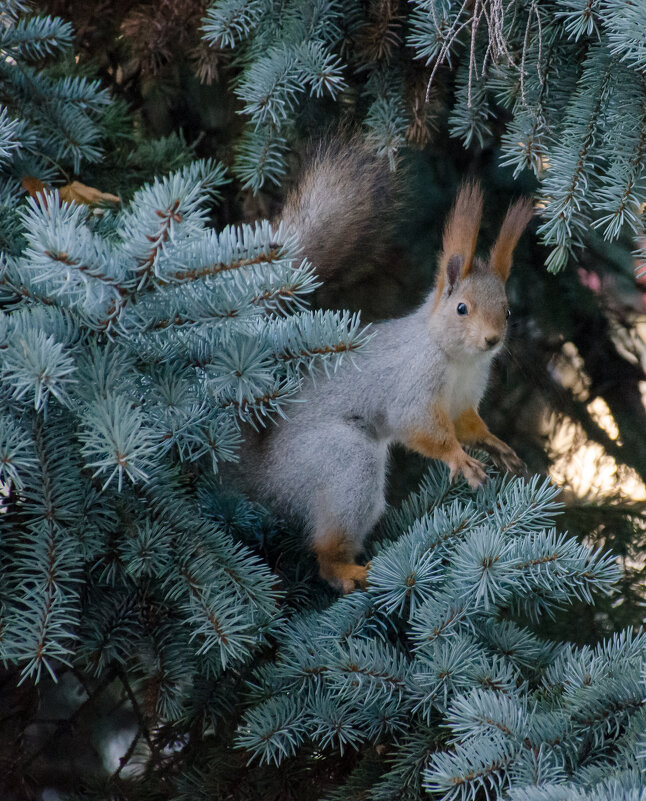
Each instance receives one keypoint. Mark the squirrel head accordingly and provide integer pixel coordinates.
(470, 308)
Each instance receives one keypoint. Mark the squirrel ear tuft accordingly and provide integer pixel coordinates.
(453, 268)
(461, 233)
(511, 230)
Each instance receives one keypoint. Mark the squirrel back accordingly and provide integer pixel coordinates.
(344, 207)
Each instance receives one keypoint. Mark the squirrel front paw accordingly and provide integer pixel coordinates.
(470, 468)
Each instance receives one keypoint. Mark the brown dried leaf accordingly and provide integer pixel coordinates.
(36, 188)
(76, 192)
(33, 185)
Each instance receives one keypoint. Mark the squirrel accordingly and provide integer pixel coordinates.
(419, 382)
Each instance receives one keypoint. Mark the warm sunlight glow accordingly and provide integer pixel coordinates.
(584, 467)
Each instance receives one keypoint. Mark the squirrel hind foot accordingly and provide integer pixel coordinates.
(345, 576)
(336, 565)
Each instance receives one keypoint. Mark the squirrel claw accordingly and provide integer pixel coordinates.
(505, 457)
(513, 464)
(472, 470)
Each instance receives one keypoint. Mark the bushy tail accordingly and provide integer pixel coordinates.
(344, 208)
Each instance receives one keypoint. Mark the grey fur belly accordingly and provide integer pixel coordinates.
(331, 475)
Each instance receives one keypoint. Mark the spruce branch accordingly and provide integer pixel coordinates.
(36, 37)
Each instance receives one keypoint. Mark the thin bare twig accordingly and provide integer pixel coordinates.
(498, 47)
(123, 761)
(66, 723)
(143, 726)
(451, 36)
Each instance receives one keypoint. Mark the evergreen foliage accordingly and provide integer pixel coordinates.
(564, 78)
(125, 357)
(136, 344)
(429, 664)
(57, 121)
(60, 117)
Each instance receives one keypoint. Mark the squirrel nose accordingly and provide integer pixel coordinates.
(491, 341)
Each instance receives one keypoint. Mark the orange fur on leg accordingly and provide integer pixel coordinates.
(443, 444)
(335, 557)
(471, 429)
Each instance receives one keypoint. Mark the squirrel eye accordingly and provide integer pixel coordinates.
(508, 313)
(462, 308)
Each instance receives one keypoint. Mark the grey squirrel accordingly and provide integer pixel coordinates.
(420, 379)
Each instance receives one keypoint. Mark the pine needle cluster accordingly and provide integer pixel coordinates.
(560, 83)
